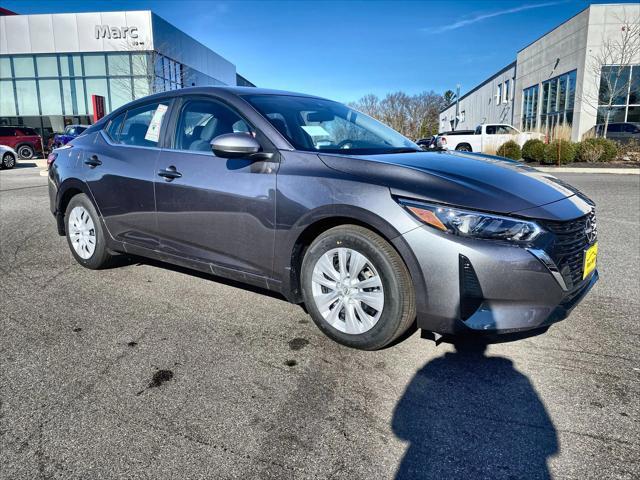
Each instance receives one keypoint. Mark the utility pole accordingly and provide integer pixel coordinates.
(455, 124)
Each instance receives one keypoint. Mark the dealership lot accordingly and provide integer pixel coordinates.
(150, 371)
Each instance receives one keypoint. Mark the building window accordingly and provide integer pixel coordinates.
(94, 65)
(530, 108)
(507, 84)
(499, 94)
(462, 116)
(619, 96)
(558, 98)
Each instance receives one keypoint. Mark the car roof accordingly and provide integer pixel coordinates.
(240, 91)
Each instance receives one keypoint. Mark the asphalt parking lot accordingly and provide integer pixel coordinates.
(150, 371)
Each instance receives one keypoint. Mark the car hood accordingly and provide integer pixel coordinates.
(470, 180)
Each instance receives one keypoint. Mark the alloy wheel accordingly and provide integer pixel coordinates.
(8, 160)
(347, 290)
(25, 152)
(82, 232)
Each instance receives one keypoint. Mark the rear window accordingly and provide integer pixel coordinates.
(27, 131)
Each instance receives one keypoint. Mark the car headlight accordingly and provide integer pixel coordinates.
(466, 223)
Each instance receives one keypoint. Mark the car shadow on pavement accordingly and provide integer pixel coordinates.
(24, 164)
(123, 260)
(467, 415)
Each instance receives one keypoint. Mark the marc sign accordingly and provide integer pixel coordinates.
(105, 31)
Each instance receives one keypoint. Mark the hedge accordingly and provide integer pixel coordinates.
(533, 151)
(596, 150)
(511, 150)
(559, 151)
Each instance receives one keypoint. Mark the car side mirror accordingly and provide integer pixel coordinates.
(235, 145)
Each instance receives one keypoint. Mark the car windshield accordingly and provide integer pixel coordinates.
(317, 125)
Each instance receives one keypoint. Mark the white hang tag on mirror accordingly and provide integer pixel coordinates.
(153, 131)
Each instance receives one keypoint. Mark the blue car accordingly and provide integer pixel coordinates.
(70, 132)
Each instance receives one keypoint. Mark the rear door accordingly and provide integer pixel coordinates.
(215, 210)
(119, 169)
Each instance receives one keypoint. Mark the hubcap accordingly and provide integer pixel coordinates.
(82, 232)
(347, 290)
(8, 160)
(25, 152)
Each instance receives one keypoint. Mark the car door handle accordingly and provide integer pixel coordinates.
(169, 173)
(93, 161)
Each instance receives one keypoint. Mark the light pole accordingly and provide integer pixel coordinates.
(455, 124)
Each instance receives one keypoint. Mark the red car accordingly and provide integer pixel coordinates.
(23, 140)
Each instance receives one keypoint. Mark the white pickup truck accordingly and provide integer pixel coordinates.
(487, 138)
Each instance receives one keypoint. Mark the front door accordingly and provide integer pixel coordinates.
(119, 169)
(215, 210)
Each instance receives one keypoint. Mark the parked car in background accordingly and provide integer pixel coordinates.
(329, 207)
(8, 157)
(486, 136)
(24, 140)
(622, 132)
(70, 132)
(435, 142)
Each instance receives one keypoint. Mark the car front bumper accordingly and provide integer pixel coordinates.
(512, 289)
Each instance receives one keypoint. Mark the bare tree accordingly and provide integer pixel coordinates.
(609, 67)
(150, 68)
(415, 116)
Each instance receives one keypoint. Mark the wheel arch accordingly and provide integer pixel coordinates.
(67, 190)
(464, 144)
(25, 144)
(347, 216)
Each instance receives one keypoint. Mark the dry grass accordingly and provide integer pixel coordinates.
(561, 132)
(490, 149)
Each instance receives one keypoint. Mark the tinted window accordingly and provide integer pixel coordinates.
(505, 130)
(314, 124)
(614, 128)
(113, 129)
(203, 120)
(491, 129)
(142, 125)
(7, 132)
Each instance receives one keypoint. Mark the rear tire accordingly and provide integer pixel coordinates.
(8, 161)
(356, 288)
(26, 152)
(464, 148)
(85, 235)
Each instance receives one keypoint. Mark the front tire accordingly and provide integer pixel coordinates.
(8, 161)
(85, 234)
(356, 288)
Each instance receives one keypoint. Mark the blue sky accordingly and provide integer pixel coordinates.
(346, 49)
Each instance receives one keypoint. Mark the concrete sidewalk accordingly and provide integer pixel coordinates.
(619, 171)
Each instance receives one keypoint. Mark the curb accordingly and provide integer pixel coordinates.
(618, 171)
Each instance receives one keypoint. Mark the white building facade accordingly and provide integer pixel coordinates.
(557, 79)
(51, 65)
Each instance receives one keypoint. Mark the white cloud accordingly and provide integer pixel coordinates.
(485, 16)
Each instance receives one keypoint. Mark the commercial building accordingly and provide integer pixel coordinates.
(51, 65)
(564, 77)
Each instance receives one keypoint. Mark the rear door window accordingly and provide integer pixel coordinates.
(142, 125)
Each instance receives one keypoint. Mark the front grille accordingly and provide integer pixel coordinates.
(571, 239)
